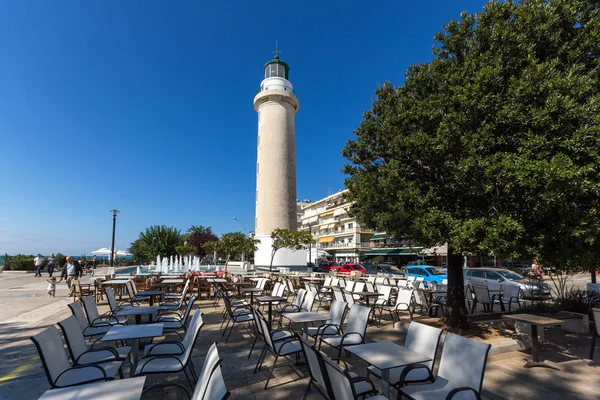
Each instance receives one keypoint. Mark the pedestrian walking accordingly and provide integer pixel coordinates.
(51, 261)
(38, 262)
(71, 272)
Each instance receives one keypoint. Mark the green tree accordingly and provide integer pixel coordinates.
(156, 240)
(293, 240)
(213, 248)
(197, 235)
(235, 244)
(492, 147)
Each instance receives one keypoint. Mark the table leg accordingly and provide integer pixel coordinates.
(135, 344)
(385, 382)
(151, 300)
(252, 298)
(138, 319)
(535, 343)
(270, 306)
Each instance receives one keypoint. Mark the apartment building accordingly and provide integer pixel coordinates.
(341, 236)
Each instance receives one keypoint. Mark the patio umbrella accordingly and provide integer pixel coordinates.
(102, 252)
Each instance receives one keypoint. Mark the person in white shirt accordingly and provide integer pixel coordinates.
(71, 272)
(39, 263)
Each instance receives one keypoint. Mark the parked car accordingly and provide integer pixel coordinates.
(390, 270)
(429, 273)
(326, 266)
(348, 268)
(496, 278)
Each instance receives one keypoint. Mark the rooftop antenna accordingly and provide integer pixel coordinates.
(276, 49)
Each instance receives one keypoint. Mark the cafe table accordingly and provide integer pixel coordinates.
(239, 286)
(252, 290)
(304, 317)
(152, 294)
(386, 356)
(133, 333)
(138, 312)
(120, 389)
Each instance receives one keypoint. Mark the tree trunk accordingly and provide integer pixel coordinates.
(272, 257)
(456, 316)
(593, 271)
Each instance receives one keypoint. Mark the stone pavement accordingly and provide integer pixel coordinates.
(25, 311)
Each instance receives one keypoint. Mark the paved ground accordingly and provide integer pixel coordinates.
(26, 310)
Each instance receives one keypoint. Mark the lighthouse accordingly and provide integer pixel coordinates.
(276, 105)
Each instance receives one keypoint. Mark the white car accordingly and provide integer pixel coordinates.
(496, 278)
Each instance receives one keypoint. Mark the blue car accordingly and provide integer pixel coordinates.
(429, 273)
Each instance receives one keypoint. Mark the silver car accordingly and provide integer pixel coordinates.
(496, 278)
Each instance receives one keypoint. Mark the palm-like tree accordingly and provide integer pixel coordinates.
(157, 240)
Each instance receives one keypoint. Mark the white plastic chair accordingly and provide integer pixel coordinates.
(510, 295)
(422, 339)
(169, 347)
(404, 301)
(596, 331)
(235, 315)
(346, 385)
(462, 367)
(332, 326)
(177, 322)
(178, 303)
(56, 364)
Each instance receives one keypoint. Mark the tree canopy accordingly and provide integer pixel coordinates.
(156, 240)
(492, 147)
(293, 240)
(197, 235)
(232, 245)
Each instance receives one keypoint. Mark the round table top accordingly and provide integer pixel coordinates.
(371, 294)
(253, 289)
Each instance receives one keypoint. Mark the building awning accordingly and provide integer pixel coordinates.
(339, 211)
(403, 251)
(380, 236)
(327, 214)
(326, 239)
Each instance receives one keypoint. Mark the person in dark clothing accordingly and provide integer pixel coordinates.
(71, 272)
(51, 261)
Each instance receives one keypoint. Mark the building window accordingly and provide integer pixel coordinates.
(350, 225)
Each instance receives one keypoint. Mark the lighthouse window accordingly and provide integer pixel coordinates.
(275, 70)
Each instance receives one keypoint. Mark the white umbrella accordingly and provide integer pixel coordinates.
(102, 252)
(122, 253)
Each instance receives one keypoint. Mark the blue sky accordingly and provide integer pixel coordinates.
(146, 106)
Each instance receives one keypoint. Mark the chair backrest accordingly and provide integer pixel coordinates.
(410, 278)
(349, 298)
(386, 290)
(52, 353)
(184, 291)
(265, 330)
(359, 287)
(327, 281)
(596, 313)
(342, 282)
(309, 300)
(315, 366)
(261, 283)
(300, 298)
(91, 309)
(335, 281)
(73, 336)
(281, 290)
(290, 286)
(257, 314)
(210, 381)
(349, 286)
(129, 288)
(404, 296)
(463, 361)
(112, 300)
(339, 379)
(379, 280)
(196, 323)
(357, 320)
(337, 293)
(77, 311)
(311, 287)
(402, 283)
(420, 298)
(275, 289)
(371, 279)
(370, 287)
(481, 293)
(510, 290)
(188, 309)
(423, 339)
(337, 311)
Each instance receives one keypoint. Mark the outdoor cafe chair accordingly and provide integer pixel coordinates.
(316, 369)
(348, 385)
(404, 299)
(371, 279)
(422, 339)
(338, 295)
(235, 315)
(461, 369)
(93, 316)
(370, 286)
(113, 304)
(421, 301)
(156, 363)
(349, 287)
(59, 372)
(89, 331)
(278, 290)
(335, 281)
(307, 305)
(510, 295)
(358, 287)
(210, 386)
(296, 306)
(133, 298)
(355, 332)
(174, 347)
(595, 330)
(349, 298)
(175, 303)
(176, 322)
(323, 297)
(175, 295)
(79, 351)
(333, 324)
(276, 334)
(482, 295)
(281, 348)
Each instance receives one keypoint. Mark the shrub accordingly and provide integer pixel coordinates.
(21, 262)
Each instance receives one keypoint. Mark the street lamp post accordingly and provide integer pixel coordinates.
(244, 225)
(112, 249)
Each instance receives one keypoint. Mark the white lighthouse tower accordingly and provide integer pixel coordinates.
(276, 105)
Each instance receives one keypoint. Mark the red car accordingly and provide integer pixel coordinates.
(348, 268)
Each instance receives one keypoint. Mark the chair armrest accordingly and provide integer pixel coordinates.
(158, 358)
(463, 389)
(155, 345)
(358, 379)
(109, 349)
(346, 335)
(105, 318)
(409, 368)
(287, 341)
(321, 329)
(294, 308)
(75, 367)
